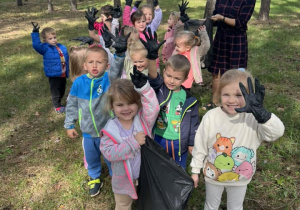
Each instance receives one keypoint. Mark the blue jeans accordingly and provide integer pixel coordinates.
(172, 148)
(91, 148)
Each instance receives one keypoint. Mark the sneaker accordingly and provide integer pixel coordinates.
(60, 109)
(95, 186)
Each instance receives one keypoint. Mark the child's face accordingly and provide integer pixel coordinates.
(173, 79)
(124, 110)
(148, 13)
(51, 39)
(140, 24)
(180, 45)
(95, 64)
(103, 17)
(231, 98)
(140, 61)
(171, 21)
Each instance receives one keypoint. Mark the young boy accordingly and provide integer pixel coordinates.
(178, 119)
(86, 103)
(56, 63)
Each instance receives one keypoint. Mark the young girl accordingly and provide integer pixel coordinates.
(195, 49)
(228, 136)
(135, 110)
(152, 21)
(76, 61)
(169, 45)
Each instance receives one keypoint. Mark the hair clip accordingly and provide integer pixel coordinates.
(92, 45)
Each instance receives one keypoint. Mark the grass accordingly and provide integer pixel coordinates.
(43, 169)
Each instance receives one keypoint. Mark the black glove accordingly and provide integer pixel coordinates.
(120, 41)
(117, 12)
(84, 40)
(137, 4)
(90, 16)
(184, 18)
(155, 3)
(151, 45)
(254, 101)
(183, 7)
(105, 33)
(138, 78)
(36, 27)
(128, 2)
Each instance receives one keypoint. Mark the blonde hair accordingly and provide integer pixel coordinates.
(137, 48)
(97, 49)
(76, 61)
(231, 76)
(134, 36)
(47, 30)
(179, 63)
(124, 89)
(146, 6)
(176, 16)
(189, 38)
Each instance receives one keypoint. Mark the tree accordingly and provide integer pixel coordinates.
(117, 3)
(209, 8)
(73, 5)
(50, 6)
(19, 3)
(264, 10)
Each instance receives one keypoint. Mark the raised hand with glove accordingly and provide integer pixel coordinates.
(90, 15)
(120, 42)
(84, 40)
(138, 78)
(137, 4)
(36, 27)
(106, 35)
(254, 101)
(117, 12)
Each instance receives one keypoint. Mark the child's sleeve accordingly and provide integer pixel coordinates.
(194, 123)
(72, 108)
(200, 149)
(114, 25)
(156, 20)
(271, 130)
(111, 57)
(115, 70)
(36, 43)
(205, 44)
(126, 16)
(118, 152)
(150, 105)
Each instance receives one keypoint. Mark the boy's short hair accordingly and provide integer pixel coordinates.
(136, 16)
(47, 30)
(98, 49)
(106, 10)
(179, 63)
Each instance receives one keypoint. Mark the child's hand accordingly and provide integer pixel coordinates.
(151, 45)
(183, 7)
(140, 137)
(195, 177)
(155, 3)
(36, 27)
(191, 149)
(106, 36)
(72, 133)
(254, 101)
(120, 41)
(138, 78)
(128, 2)
(90, 16)
(202, 28)
(137, 4)
(184, 18)
(117, 12)
(84, 40)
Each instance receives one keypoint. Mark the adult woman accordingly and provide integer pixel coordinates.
(230, 47)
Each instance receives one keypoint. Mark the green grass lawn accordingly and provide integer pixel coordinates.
(41, 168)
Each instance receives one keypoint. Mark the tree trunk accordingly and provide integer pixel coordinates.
(209, 8)
(50, 6)
(149, 2)
(264, 10)
(73, 5)
(19, 3)
(117, 3)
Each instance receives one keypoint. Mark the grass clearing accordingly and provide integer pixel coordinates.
(41, 168)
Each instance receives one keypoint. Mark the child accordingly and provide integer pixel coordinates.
(195, 49)
(76, 62)
(228, 136)
(152, 21)
(169, 45)
(135, 110)
(178, 118)
(56, 63)
(86, 101)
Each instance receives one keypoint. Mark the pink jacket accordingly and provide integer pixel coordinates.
(169, 45)
(118, 152)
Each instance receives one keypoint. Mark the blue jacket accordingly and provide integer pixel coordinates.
(189, 117)
(51, 58)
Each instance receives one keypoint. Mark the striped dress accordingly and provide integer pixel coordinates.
(230, 46)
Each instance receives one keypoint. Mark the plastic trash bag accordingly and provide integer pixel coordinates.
(163, 183)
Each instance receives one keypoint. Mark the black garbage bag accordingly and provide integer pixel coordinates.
(163, 183)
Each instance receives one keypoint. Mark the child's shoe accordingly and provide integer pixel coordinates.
(95, 186)
(60, 109)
